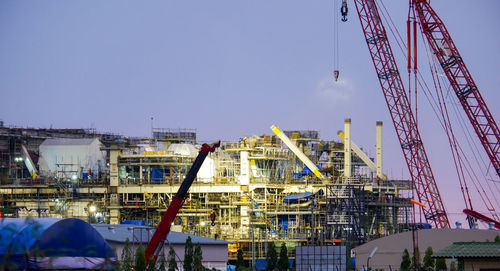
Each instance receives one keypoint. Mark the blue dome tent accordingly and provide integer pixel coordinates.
(52, 243)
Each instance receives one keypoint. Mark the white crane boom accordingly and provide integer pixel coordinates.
(298, 152)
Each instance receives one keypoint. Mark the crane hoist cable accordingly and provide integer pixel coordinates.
(409, 22)
(335, 41)
(343, 11)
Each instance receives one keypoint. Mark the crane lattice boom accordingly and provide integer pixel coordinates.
(401, 113)
(460, 79)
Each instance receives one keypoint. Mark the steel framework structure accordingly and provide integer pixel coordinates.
(402, 116)
(345, 208)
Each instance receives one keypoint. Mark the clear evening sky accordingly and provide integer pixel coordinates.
(226, 68)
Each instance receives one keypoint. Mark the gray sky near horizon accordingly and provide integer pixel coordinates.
(225, 68)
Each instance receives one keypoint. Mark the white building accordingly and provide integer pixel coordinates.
(68, 157)
(215, 252)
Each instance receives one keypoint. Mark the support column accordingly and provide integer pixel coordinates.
(347, 148)
(244, 168)
(114, 199)
(140, 171)
(379, 148)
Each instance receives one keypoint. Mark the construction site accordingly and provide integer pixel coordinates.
(248, 192)
(326, 199)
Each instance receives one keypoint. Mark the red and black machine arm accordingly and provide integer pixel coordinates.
(401, 113)
(156, 243)
(465, 88)
(482, 217)
(461, 80)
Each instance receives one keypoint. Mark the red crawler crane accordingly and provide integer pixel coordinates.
(464, 86)
(155, 245)
(397, 101)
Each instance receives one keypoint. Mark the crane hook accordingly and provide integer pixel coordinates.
(344, 10)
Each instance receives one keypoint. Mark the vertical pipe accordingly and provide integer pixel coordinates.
(253, 233)
(414, 46)
(38, 200)
(347, 148)
(415, 67)
(244, 168)
(408, 44)
(379, 147)
(179, 170)
(140, 171)
(171, 175)
(148, 181)
(114, 180)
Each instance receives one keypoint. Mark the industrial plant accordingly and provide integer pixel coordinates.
(248, 192)
(326, 202)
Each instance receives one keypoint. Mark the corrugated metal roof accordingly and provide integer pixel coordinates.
(470, 250)
(119, 233)
(68, 141)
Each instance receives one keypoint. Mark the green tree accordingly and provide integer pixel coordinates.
(453, 266)
(188, 255)
(151, 266)
(428, 260)
(240, 263)
(271, 257)
(283, 263)
(441, 265)
(117, 265)
(127, 260)
(140, 259)
(497, 239)
(405, 261)
(197, 258)
(162, 262)
(172, 264)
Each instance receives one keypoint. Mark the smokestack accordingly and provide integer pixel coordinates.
(379, 148)
(347, 148)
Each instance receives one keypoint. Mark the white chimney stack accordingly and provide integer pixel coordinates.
(347, 148)
(379, 148)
